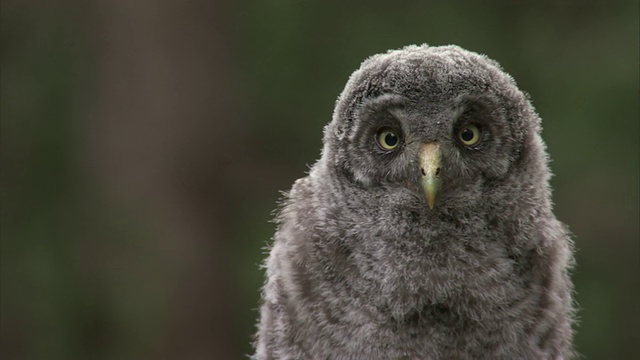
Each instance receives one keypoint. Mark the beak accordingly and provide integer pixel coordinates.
(430, 171)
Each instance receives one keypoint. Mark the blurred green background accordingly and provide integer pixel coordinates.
(144, 144)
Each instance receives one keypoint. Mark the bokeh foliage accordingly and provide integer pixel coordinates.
(143, 145)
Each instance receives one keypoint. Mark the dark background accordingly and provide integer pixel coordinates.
(144, 144)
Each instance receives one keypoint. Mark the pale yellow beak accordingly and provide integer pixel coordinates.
(430, 171)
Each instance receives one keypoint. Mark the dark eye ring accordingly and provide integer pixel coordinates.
(387, 138)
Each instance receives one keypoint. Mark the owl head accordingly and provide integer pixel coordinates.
(436, 128)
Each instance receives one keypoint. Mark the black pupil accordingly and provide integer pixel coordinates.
(391, 139)
(466, 135)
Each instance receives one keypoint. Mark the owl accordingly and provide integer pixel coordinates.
(425, 230)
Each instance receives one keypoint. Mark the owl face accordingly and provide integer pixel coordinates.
(429, 150)
(435, 127)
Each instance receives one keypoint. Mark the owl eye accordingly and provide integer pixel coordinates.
(387, 138)
(469, 135)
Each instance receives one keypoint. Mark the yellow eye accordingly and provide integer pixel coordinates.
(469, 135)
(387, 138)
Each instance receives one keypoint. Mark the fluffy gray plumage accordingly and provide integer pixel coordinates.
(361, 266)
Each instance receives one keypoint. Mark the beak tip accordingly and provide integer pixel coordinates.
(430, 203)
